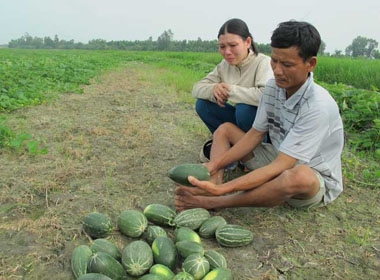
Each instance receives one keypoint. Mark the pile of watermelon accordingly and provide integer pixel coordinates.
(155, 252)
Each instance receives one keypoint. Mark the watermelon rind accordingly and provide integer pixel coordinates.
(132, 223)
(232, 235)
(97, 225)
(137, 257)
(79, 260)
(105, 264)
(196, 265)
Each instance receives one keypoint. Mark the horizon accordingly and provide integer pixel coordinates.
(338, 22)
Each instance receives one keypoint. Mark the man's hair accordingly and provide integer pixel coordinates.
(298, 34)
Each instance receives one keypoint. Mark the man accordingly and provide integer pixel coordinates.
(302, 166)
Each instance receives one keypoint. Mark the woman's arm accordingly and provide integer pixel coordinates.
(253, 80)
(204, 89)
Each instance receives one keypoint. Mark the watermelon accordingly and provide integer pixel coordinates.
(164, 252)
(94, 276)
(186, 248)
(152, 232)
(231, 235)
(97, 225)
(162, 270)
(215, 259)
(209, 226)
(137, 257)
(150, 277)
(183, 275)
(79, 260)
(219, 273)
(191, 218)
(196, 265)
(159, 214)
(105, 264)
(132, 223)
(186, 233)
(180, 173)
(106, 246)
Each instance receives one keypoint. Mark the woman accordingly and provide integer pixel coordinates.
(232, 91)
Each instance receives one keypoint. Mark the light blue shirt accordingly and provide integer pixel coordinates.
(307, 127)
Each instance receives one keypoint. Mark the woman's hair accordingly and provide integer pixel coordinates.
(302, 35)
(238, 27)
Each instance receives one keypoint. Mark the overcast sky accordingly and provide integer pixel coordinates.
(338, 21)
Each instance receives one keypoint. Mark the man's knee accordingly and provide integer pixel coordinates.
(299, 180)
(224, 130)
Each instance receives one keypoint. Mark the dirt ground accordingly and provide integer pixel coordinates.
(110, 149)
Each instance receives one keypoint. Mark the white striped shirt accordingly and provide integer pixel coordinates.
(307, 127)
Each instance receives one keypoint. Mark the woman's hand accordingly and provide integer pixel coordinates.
(221, 93)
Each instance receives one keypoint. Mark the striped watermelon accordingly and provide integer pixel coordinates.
(209, 226)
(191, 218)
(132, 223)
(152, 232)
(215, 259)
(137, 258)
(219, 273)
(231, 235)
(105, 264)
(97, 225)
(196, 265)
(185, 233)
(79, 260)
(159, 214)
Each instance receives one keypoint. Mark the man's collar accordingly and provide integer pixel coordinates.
(298, 95)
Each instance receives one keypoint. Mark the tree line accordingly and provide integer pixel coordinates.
(360, 46)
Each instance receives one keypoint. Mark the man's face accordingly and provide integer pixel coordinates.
(290, 70)
(233, 48)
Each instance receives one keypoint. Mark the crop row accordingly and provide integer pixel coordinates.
(30, 77)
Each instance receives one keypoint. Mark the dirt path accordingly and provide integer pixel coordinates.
(110, 149)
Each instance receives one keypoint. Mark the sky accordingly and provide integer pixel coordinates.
(338, 21)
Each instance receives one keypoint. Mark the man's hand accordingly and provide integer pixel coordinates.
(208, 188)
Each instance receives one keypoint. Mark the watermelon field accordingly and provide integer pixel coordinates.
(97, 131)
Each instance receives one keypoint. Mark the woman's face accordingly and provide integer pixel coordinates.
(233, 48)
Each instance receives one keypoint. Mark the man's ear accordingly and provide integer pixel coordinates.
(312, 61)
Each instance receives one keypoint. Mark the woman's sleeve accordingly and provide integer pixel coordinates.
(204, 88)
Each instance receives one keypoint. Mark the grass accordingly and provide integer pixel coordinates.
(109, 150)
(30, 77)
(356, 72)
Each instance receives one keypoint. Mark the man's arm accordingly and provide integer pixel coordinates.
(261, 175)
(242, 148)
(251, 180)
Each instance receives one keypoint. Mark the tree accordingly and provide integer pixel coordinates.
(264, 48)
(322, 48)
(49, 43)
(56, 41)
(164, 40)
(362, 46)
(337, 53)
(97, 44)
(376, 54)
